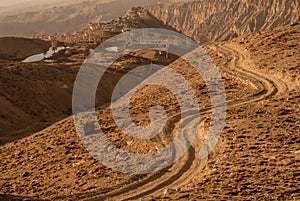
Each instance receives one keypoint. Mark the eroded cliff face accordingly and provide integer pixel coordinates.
(218, 20)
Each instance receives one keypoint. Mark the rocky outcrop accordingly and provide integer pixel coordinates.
(218, 20)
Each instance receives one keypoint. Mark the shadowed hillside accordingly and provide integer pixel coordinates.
(12, 48)
(38, 94)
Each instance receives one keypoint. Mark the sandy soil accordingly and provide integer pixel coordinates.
(256, 158)
(34, 96)
(258, 155)
(69, 159)
(29, 107)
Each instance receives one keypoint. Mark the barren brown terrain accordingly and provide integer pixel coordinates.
(218, 20)
(257, 157)
(36, 95)
(19, 48)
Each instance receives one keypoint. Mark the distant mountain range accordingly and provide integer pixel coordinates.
(14, 7)
(204, 21)
(65, 18)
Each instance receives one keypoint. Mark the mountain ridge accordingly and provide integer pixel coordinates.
(66, 18)
(206, 21)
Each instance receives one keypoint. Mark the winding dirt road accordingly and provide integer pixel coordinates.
(238, 64)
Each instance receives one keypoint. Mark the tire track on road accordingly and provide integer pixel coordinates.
(182, 171)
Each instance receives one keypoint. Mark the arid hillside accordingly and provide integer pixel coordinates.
(35, 95)
(257, 157)
(218, 20)
(12, 48)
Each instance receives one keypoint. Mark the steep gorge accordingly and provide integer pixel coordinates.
(219, 20)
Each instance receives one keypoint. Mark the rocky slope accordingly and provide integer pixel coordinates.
(215, 20)
(258, 154)
(38, 94)
(256, 158)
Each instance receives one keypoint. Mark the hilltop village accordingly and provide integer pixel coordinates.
(96, 33)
